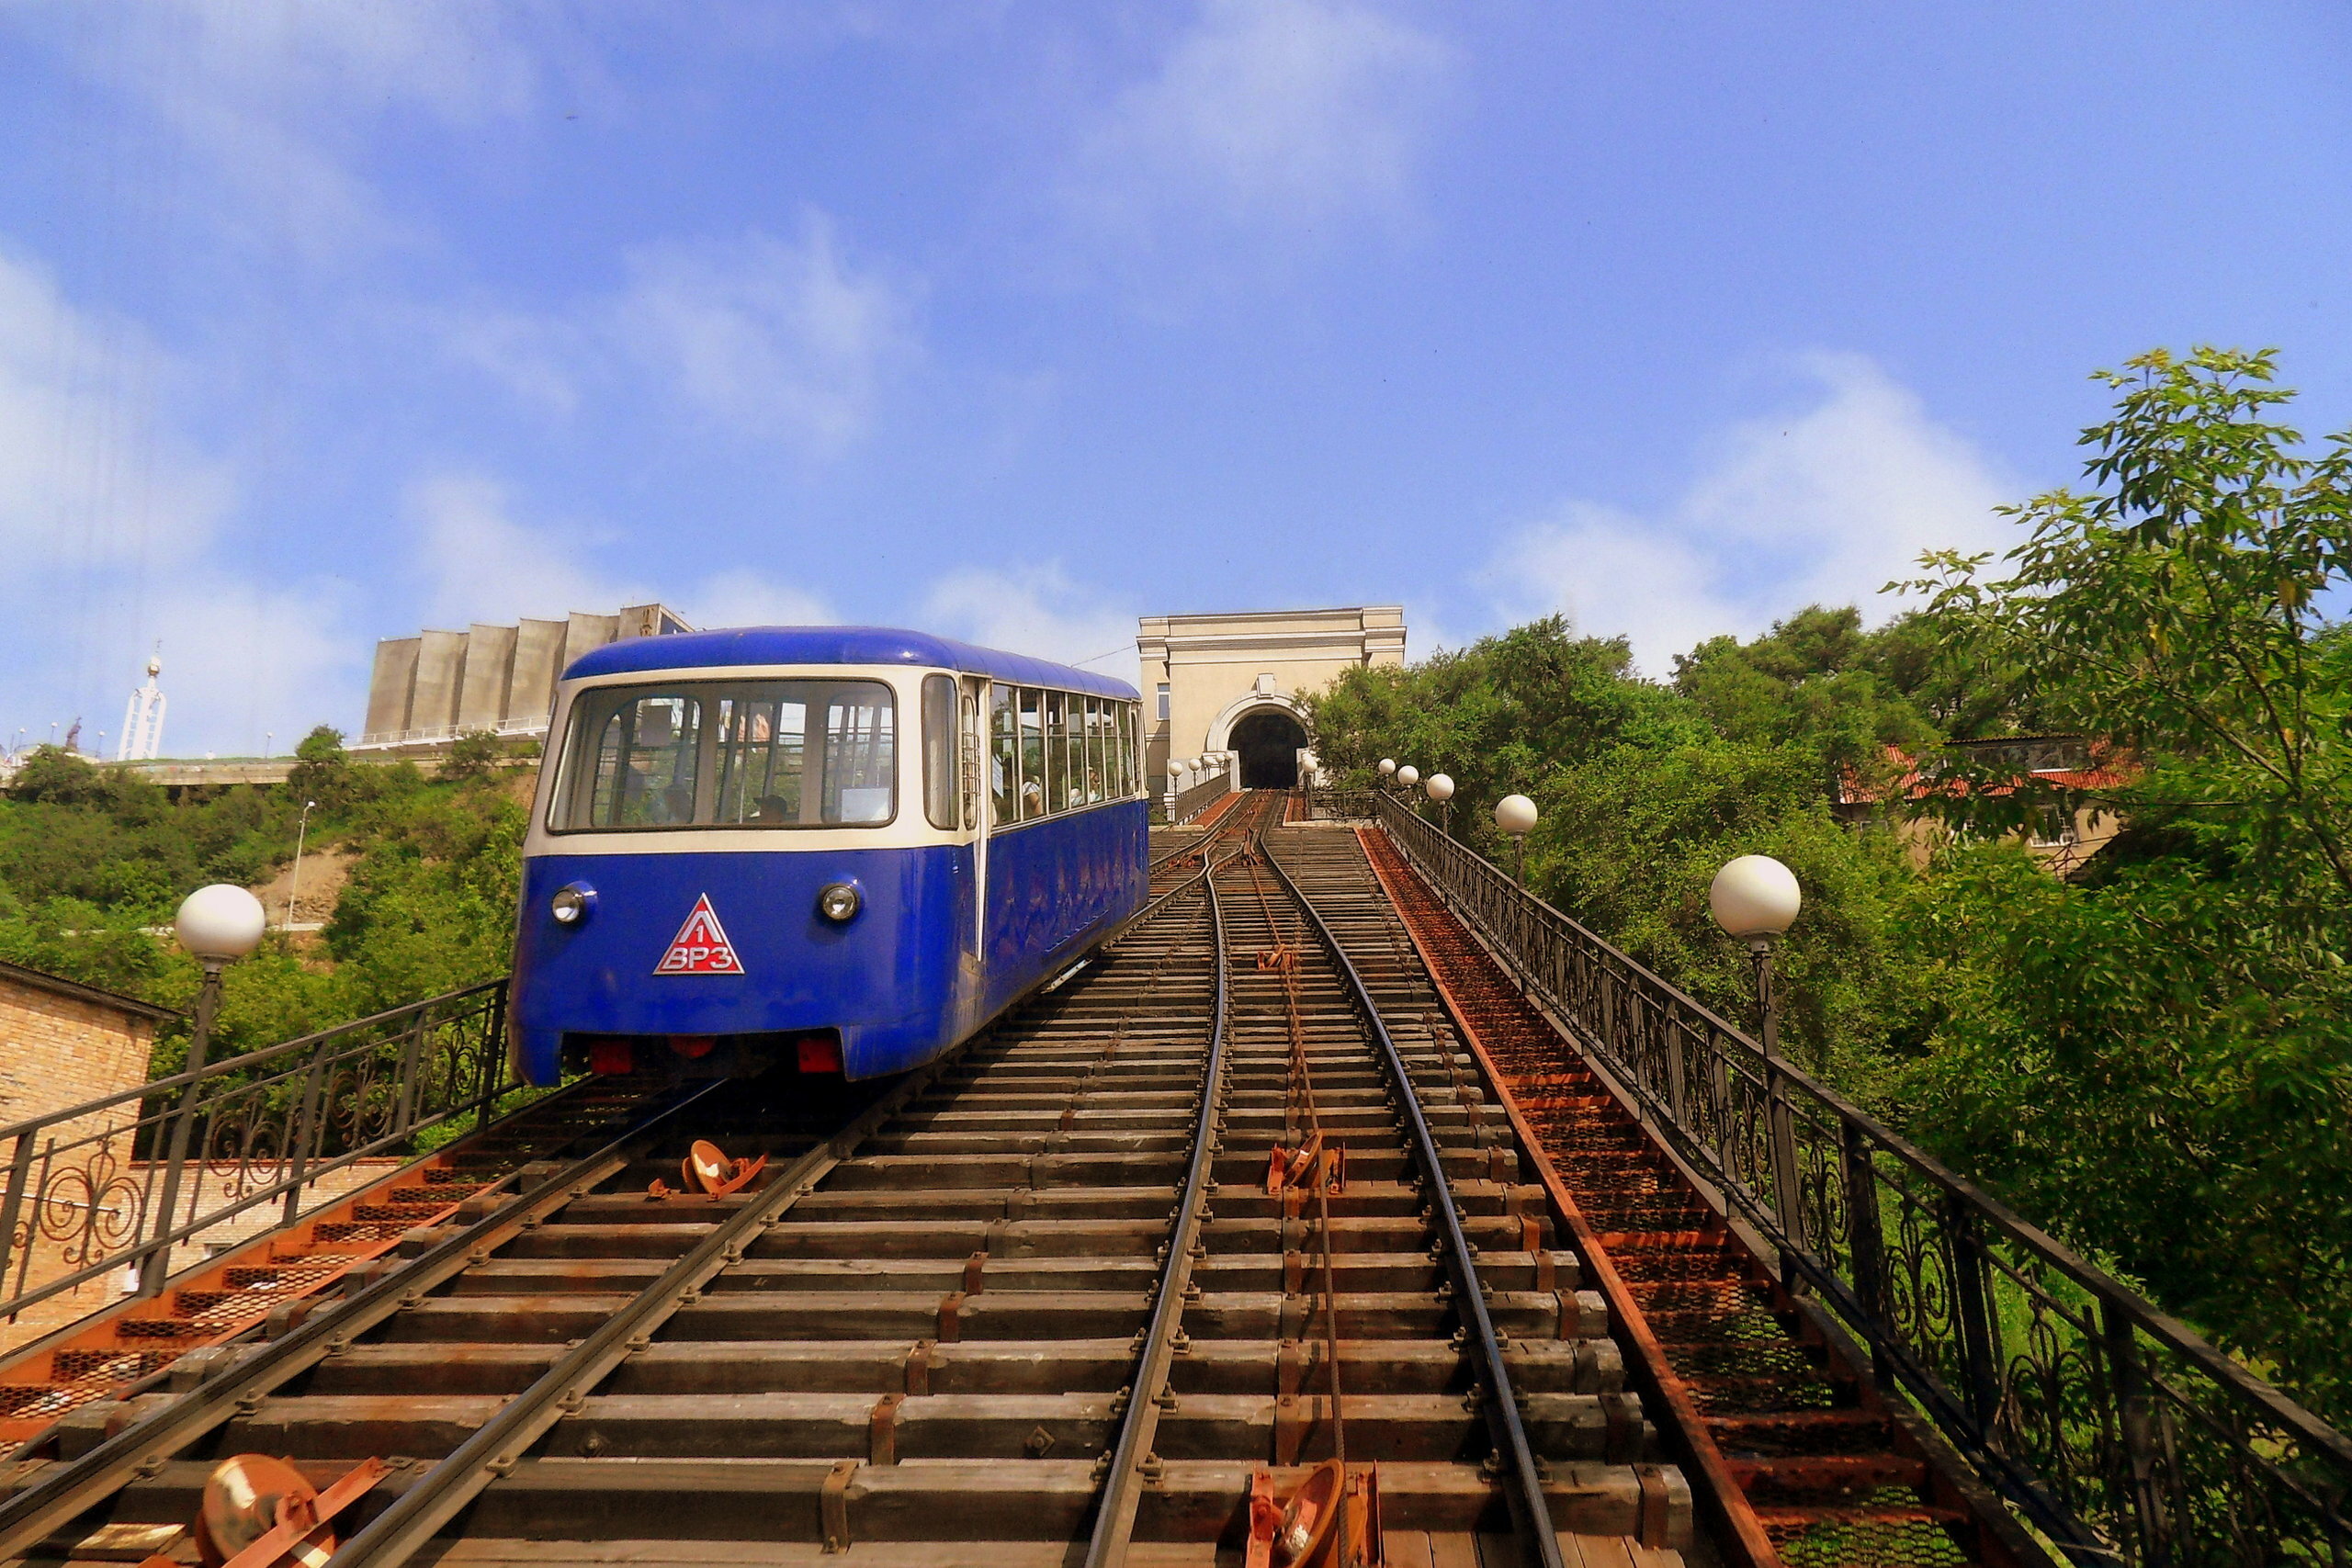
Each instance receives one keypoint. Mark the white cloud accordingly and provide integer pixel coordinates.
(276, 101)
(747, 599)
(1037, 610)
(786, 340)
(243, 661)
(772, 338)
(1824, 506)
(488, 567)
(90, 475)
(1283, 110)
(530, 355)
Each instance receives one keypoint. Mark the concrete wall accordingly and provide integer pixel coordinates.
(427, 688)
(587, 632)
(440, 676)
(538, 659)
(1220, 668)
(394, 681)
(489, 671)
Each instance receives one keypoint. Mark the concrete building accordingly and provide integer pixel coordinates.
(1227, 685)
(428, 689)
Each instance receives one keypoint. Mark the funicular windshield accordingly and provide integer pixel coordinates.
(729, 755)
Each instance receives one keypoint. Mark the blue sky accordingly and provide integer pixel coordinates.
(321, 322)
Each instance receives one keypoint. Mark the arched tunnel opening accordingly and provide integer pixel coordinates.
(1268, 743)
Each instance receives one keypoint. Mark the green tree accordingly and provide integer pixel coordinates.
(1642, 799)
(2155, 1059)
(2179, 611)
(322, 770)
(475, 754)
(1819, 681)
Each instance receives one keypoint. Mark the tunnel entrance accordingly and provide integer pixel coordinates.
(1268, 743)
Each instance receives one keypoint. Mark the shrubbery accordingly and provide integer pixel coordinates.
(94, 860)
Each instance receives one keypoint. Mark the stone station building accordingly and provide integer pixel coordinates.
(1227, 686)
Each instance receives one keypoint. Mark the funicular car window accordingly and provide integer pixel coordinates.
(1095, 757)
(1123, 784)
(939, 750)
(1033, 753)
(731, 754)
(1054, 751)
(1004, 756)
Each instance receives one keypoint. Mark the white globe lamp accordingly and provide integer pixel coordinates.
(1439, 788)
(1755, 899)
(1515, 815)
(1408, 777)
(218, 925)
(221, 923)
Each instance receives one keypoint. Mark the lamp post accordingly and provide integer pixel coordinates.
(1755, 899)
(1515, 815)
(294, 890)
(1387, 771)
(218, 925)
(1440, 789)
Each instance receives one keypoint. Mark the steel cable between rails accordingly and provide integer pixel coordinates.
(1522, 1479)
(1301, 1091)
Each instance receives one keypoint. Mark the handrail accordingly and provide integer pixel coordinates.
(1197, 800)
(82, 1193)
(1324, 803)
(2115, 1429)
(60, 1493)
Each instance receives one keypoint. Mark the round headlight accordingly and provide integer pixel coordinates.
(837, 901)
(572, 903)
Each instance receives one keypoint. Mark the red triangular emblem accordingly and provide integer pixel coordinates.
(700, 946)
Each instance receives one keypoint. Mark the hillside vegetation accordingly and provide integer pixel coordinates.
(93, 859)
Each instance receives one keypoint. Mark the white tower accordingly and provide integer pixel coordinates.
(142, 721)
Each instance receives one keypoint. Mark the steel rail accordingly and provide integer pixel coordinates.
(1123, 1486)
(143, 1448)
(1231, 821)
(495, 1448)
(1522, 1480)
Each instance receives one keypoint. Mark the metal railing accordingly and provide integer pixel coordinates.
(1198, 798)
(377, 739)
(1324, 804)
(2116, 1431)
(86, 1184)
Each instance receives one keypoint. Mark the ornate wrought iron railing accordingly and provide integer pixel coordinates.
(2116, 1431)
(1197, 800)
(85, 1185)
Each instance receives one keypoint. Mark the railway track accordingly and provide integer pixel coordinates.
(1034, 1304)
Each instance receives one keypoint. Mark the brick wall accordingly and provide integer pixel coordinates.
(58, 1051)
